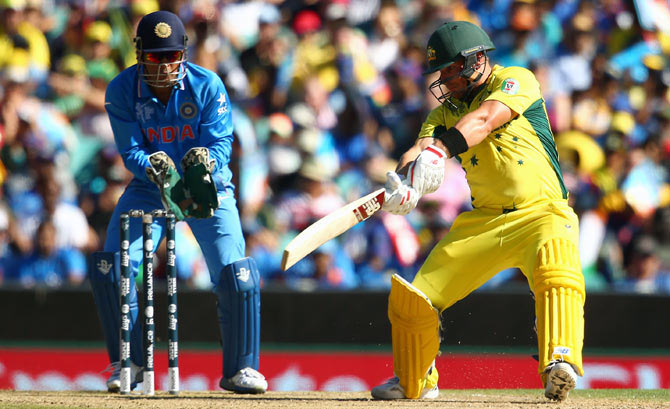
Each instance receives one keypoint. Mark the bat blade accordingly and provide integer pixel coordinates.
(331, 226)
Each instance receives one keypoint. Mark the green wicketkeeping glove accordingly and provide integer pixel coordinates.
(173, 192)
(198, 182)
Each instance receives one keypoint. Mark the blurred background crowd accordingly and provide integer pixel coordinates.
(326, 95)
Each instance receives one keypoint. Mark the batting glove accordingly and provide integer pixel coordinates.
(426, 173)
(400, 198)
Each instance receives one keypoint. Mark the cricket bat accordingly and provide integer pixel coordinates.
(331, 226)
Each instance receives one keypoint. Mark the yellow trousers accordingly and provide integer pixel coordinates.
(482, 242)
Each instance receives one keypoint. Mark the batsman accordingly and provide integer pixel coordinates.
(493, 120)
(173, 128)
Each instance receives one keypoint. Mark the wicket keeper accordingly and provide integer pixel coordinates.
(165, 111)
(493, 120)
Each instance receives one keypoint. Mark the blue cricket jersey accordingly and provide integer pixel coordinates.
(198, 114)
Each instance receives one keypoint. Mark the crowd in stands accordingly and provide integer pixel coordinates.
(326, 95)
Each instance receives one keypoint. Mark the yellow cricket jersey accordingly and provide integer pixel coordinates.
(37, 43)
(516, 165)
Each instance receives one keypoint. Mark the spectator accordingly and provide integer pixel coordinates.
(16, 32)
(68, 39)
(314, 55)
(70, 84)
(6, 253)
(48, 265)
(314, 197)
(105, 181)
(71, 227)
(388, 37)
(327, 268)
(643, 268)
(265, 62)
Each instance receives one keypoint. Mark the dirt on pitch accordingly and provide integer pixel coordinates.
(352, 400)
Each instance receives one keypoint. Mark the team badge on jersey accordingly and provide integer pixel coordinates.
(187, 110)
(510, 86)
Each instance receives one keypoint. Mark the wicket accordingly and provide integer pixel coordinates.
(148, 301)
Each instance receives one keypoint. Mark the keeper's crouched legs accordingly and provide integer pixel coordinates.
(559, 308)
(415, 336)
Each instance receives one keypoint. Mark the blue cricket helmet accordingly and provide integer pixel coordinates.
(160, 31)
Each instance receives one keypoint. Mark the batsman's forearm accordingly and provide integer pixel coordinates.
(411, 154)
(475, 126)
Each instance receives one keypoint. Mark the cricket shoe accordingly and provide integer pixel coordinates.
(247, 380)
(391, 389)
(561, 379)
(114, 380)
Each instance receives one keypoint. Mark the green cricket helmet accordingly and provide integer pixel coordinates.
(449, 43)
(453, 40)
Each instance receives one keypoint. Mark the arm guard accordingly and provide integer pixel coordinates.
(453, 140)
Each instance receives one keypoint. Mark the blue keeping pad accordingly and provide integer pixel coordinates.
(239, 311)
(104, 273)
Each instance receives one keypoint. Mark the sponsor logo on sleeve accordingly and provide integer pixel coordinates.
(223, 106)
(510, 86)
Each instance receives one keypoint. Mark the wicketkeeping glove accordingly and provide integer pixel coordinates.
(400, 198)
(163, 173)
(426, 173)
(198, 167)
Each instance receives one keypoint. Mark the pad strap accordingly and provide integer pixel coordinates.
(453, 140)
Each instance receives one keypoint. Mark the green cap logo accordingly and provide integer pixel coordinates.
(431, 54)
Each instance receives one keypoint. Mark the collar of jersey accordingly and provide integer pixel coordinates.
(494, 70)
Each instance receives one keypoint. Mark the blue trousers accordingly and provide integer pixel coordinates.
(220, 239)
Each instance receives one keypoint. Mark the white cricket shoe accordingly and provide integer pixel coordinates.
(561, 379)
(247, 380)
(114, 380)
(391, 389)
